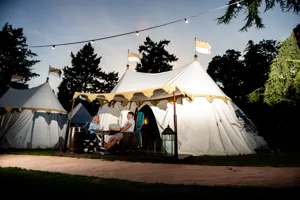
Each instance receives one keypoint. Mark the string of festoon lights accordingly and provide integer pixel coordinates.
(237, 3)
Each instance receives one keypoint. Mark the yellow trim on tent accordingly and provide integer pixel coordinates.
(129, 96)
(9, 108)
(210, 98)
(149, 95)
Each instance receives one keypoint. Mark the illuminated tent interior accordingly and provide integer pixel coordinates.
(32, 118)
(207, 123)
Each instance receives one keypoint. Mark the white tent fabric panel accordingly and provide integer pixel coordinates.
(191, 78)
(114, 116)
(204, 128)
(12, 127)
(40, 98)
(123, 118)
(109, 117)
(32, 130)
(208, 125)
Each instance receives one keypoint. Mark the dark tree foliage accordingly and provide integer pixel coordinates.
(155, 58)
(15, 58)
(257, 61)
(229, 69)
(271, 70)
(296, 32)
(85, 75)
(242, 75)
(251, 8)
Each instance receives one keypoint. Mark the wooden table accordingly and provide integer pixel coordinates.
(102, 133)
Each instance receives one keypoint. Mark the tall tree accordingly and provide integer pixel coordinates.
(283, 84)
(229, 69)
(85, 75)
(251, 8)
(15, 58)
(296, 32)
(155, 58)
(257, 60)
(242, 75)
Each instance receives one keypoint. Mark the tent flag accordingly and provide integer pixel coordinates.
(16, 79)
(202, 47)
(54, 70)
(219, 83)
(133, 57)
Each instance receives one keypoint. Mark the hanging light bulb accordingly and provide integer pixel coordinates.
(92, 42)
(53, 47)
(238, 5)
(186, 21)
(137, 33)
(19, 49)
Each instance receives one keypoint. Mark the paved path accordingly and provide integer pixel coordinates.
(162, 173)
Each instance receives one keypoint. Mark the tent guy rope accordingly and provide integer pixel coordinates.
(141, 30)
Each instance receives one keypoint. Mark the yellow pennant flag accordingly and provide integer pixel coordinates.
(203, 47)
(133, 57)
(54, 70)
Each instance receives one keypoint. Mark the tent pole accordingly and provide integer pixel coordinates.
(68, 128)
(175, 126)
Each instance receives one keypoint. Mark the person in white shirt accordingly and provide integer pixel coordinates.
(128, 127)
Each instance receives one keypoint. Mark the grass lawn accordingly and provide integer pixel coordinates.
(39, 185)
(262, 159)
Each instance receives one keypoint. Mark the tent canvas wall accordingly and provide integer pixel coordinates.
(206, 120)
(38, 122)
(80, 115)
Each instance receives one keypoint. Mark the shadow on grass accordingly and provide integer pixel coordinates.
(50, 185)
(291, 159)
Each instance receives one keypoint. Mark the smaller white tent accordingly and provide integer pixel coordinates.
(80, 115)
(40, 121)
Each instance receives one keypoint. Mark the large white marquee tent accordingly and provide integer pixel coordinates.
(39, 122)
(207, 120)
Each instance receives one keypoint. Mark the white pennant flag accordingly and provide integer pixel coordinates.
(202, 47)
(133, 57)
(16, 79)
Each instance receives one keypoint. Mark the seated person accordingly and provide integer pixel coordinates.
(128, 127)
(94, 125)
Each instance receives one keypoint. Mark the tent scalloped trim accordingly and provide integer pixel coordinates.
(9, 108)
(148, 93)
(128, 96)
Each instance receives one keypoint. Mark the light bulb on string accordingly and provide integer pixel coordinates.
(236, 3)
(19, 49)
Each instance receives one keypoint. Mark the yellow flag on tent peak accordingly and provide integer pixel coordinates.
(54, 70)
(203, 47)
(133, 57)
